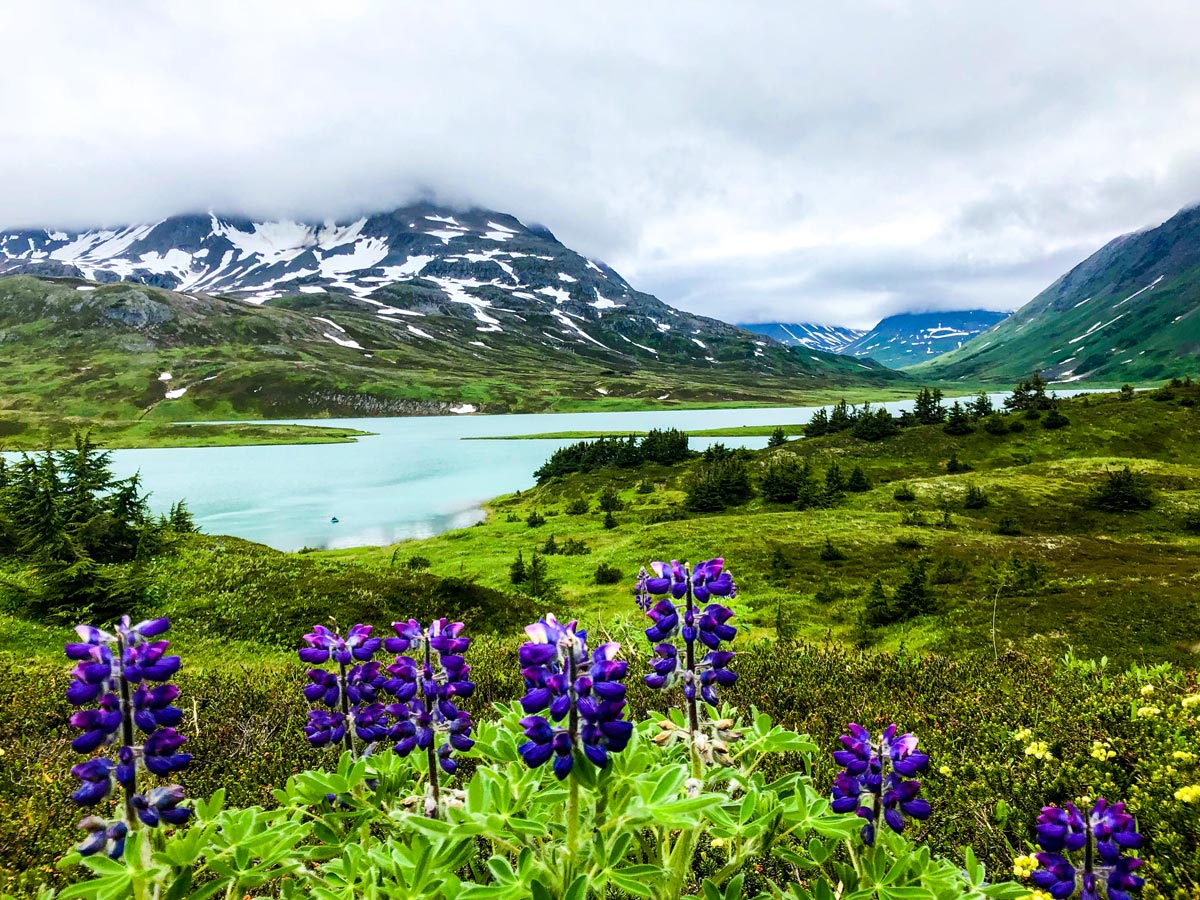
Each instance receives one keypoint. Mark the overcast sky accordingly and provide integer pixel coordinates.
(752, 161)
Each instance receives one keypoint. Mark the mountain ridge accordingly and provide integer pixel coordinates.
(1128, 312)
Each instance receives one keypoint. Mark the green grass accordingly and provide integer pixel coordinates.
(1116, 585)
(41, 432)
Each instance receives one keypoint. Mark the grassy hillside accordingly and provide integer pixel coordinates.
(1071, 576)
(1129, 312)
(103, 354)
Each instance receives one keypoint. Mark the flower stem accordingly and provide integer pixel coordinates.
(127, 736)
(693, 711)
(431, 751)
(573, 787)
(572, 829)
(348, 736)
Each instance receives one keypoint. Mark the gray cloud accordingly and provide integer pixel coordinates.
(771, 161)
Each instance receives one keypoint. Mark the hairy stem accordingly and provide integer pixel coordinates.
(431, 751)
(348, 737)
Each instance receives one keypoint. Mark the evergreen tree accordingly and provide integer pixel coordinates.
(858, 483)
(818, 424)
(874, 425)
(518, 572)
(928, 409)
(778, 438)
(981, 407)
(842, 418)
(780, 480)
(957, 422)
(720, 480)
(835, 481)
(1029, 394)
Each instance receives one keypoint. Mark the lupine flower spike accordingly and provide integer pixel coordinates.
(696, 620)
(350, 694)
(425, 690)
(1102, 836)
(575, 700)
(876, 783)
(119, 686)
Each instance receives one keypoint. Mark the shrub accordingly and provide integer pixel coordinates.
(858, 482)
(1016, 426)
(949, 571)
(607, 574)
(957, 421)
(954, 465)
(645, 486)
(830, 553)
(835, 481)
(518, 572)
(1055, 419)
(672, 512)
(417, 563)
(783, 478)
(1008, 526)
(718, 483)
(996, 425)
(777, 438)
(578, 507)
(1191, 521)
(610, 499)
(574, 547)
(1121, 491)
(535, 519)
(904, 494)
(610, 521)
(976, 498)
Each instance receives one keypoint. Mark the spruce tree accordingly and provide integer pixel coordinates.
(778, 438)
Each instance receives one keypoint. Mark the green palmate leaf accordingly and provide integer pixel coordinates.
(180, 886)
(578, 889)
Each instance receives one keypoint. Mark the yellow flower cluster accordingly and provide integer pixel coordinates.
(1147, 690)
(1184, 757)
(1190, 700)
(1189, 794)
(1021, 735)
(1037, 895)
(1148, 712)
(944, 770)
(1039, 750)
(1102, 751)
(1024, 866)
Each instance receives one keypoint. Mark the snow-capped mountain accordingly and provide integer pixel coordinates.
(911, 338)
(417, 260)
(830, 338)
(421, 308)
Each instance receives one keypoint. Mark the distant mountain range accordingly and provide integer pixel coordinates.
(896, 342)
(830, 338)
(1129, 312)
(910, 338)
(421, 309)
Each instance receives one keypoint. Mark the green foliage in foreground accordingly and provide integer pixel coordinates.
(1005, 737)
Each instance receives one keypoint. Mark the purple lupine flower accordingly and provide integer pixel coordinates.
(350, 693)
(695, 620)
(564, 681)
(1103, 835)
(425, 691)
(123, 675)
(875, 783)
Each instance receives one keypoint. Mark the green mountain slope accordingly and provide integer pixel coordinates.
(1129, 312)
(123, 351)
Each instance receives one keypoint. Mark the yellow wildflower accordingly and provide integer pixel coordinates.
(1024, 866)
(1190, 700)
(1101, 750)
(1189, 794)
(1147, 690)
(1021, 735)
(1148, 712)
(1037, 895)
(944, 770)
(1039, 750)
(1184, 757)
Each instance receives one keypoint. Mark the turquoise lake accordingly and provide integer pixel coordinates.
(413, 477)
